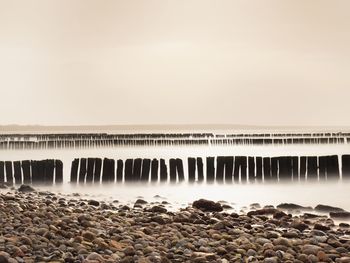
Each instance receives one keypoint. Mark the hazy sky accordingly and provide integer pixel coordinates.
(155, 62)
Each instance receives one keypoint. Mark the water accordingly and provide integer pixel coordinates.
(180, 195)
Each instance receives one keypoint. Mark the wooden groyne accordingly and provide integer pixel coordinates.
(228, 169)
(96, 140)
(221, 169)
(48, 172)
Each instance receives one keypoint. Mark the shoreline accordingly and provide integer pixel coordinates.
(49, 227)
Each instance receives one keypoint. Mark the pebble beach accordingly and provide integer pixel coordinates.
(40, 226)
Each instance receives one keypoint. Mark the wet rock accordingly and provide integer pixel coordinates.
(207, 205)
(340, 215)
(158, 209)
(291, 206)
(328, 209)
(93, 203)
(26, 188)
(311, 249)
(321, 227)
(140, 202)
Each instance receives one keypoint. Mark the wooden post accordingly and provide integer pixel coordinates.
(210, 169)
(180, 169)
(172, 164)
(35, 171)
(322, 167)
(97, 170)
(191, 169)
(274, 169)
(49, 171)
(17, 172)
(251, 168)
(108, 170)
(137, 169)
(129, 163)
(154, 170)
(26, 172)
(120, 166)
(333, 167)
(58, 172)
(311, 168)
(74, 171)
(228, 164)
(303, 163)
(9, 172)
(244, 166)
(295, 164)
(2, 172)
(345, 166)
(220, 167)
(200, 169)
(285, 168)
(90, 170)
(259, 169)
(267, 169)
(146, 166)
(163, 171)
(82, 171)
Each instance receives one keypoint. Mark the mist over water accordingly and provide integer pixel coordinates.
(238, 195)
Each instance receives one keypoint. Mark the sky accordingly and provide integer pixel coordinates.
(82, 62)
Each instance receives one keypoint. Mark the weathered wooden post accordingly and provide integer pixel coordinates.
(333, 167)
(82, 171)
(49, 166)
(74, 171)
(267, 169)
(2, 172)
(120, 166)
(259, 169)
(220, 167)
(345, 166)
(180, 169)
(274, 169)
(285, 168)
(200, 169)
(129, 163)
(163, 171)
(146, 166)
(137, 169)
(108, 170)
(311, 168)
(58, 172)
(228, 169)
(244, 166)
(210, 169)
(26, 172)
(295, 164)
(251, 168)
(154, 170)
(191, 169)
(172, 164)
(90, 170)
(9, 172)
(322, 167)
(303, 163)
(17, 172)
(97, 170)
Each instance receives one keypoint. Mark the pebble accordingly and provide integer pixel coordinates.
(73, 229)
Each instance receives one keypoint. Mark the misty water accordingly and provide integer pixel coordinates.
(335, 193)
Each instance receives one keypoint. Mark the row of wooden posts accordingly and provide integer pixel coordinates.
(48, 171)
(221, 168)
(216, 169)
(62, 144)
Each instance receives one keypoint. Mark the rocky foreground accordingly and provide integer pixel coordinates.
(45, 227)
